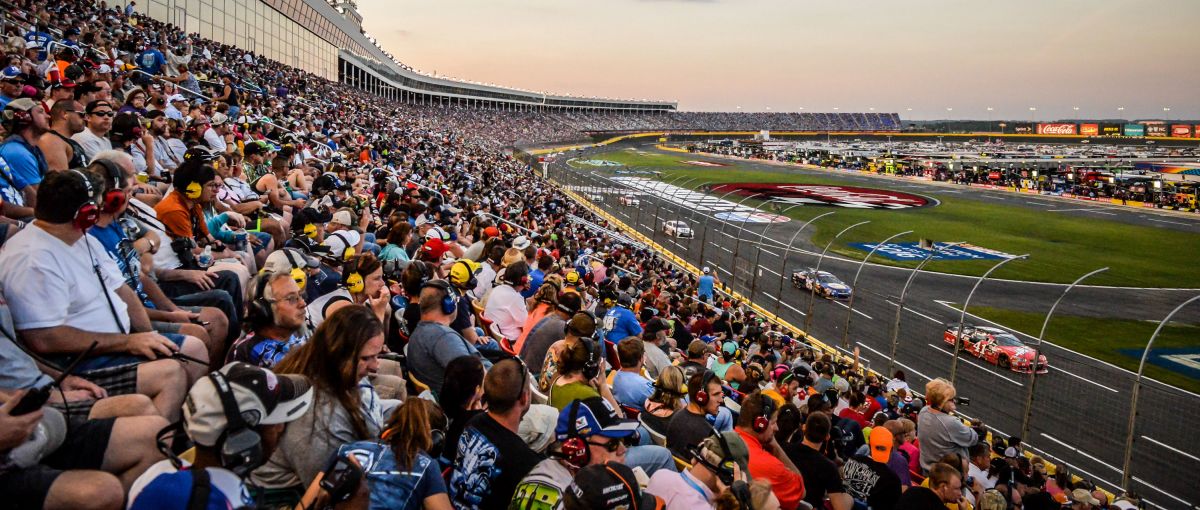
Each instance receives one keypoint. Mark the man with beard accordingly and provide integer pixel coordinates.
(25, 121)
(61, 152)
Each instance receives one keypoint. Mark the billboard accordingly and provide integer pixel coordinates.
(1196, 132)
(1056, 128)
(1135, 130)
(1110, 129)
(1089, 129)
(1023, 129)
(1156, 130)
(1181, 130)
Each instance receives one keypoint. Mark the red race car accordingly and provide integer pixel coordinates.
(995, 346)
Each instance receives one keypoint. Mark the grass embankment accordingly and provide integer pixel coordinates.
(1061, 247)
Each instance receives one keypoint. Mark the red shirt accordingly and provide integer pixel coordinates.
(787, 485)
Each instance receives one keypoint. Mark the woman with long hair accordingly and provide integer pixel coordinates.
(669, 390)
(401, 472)
(461, 398)
(337, 359)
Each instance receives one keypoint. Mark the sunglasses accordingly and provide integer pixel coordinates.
(613, 444)
(104, 114)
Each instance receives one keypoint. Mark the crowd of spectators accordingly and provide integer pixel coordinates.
(281, 292)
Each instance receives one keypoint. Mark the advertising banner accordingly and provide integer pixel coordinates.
(1156, 130)
(1196, 132)
(1110, 129)
(1056, 128)
(1089, 129)
(913, 251)
(1135, 130)
(1181, 130)
(1023, 129)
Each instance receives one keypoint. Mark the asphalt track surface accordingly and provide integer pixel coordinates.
(1080, 408)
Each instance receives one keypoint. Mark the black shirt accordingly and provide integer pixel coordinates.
(685, 429)
(870, 481)
(820, 474)
(491, 461)
(919, 498)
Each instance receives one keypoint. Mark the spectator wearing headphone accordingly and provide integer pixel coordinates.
(589, 433)
(433, 343)
(336, 361)
(756, 425)
(463, 275)
(552, 328)
(361, 284)
(505, 306)
(65, 293)
(620, 321)
(582, 325)
(718, 465)
(227, 446)
(658, 346)
(691, 425)
(275, 320)
(25, 122)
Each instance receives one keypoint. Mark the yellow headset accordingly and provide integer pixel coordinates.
(349, 252)
(193, 190)
(298, 274)
(310, 231)
(354, 280)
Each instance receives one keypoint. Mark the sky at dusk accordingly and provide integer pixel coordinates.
(788, 55)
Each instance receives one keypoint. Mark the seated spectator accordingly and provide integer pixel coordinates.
(715, 479)
(461, 399)
(582, 325)
(492, 459)
(821, 476)
(362, 284)
(274, 320)
(336, 360)
(757, 425)
(658, 346)
(945, 489)
(589, 432)
(432, 345)
(581, 375)
(691, 425)
(60, 151)
(505, 305)
(93, 139)
(65, 294)
(609, 485)
(549, 330)
(630, 387)
(868, 478)
(400, 470)
(667, 398)
(272, 400)
(25, 122)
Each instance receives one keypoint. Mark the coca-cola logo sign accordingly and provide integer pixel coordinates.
(1057, 128)
(821, 194)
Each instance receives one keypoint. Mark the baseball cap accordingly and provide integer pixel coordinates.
(172, 491)
(342, 218)
(608, 485)
(218, 119)
(521, 242)
(491, 232)
(696, 349)
(286, 259)
(738, 451)
(262, 397)
(176, 97)
(592, 416)
(154, 114)
(573, 277)
(104, 69)
(1010, 452)
(1085, 497)
(11, 73)
(341, 241)
(63, 84)
(435, 247)
(881, 442)
(729, 347)
(23, 104)
(32, 45)
(657, 324)
(437, 233)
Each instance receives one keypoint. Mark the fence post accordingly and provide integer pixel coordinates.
(854, 283)
(963, 316)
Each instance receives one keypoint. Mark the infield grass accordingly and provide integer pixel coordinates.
(1061, 247)
(1104, 339)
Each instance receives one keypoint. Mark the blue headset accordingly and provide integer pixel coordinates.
(449, 295)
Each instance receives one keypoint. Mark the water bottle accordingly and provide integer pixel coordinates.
(206, 257)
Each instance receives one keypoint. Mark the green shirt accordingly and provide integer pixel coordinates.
(561, 396)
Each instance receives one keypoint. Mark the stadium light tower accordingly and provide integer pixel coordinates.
(1167, 112)
(1031, 110)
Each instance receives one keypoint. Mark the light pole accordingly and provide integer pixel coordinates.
(900, 302)
(854, 284)
(758, 252)
(692, 214)
(963, 316)
(783, 260)
(1037, 349)
(1137, 387)
(812, 288)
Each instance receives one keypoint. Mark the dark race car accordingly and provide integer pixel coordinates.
(995, 346)
(824, 283)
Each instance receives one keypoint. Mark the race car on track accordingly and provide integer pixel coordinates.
(594, 197)
(995, 346)
(629, 200)
(677, 229)
(824, 283)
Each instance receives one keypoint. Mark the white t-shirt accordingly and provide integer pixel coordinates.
(92, 144)
(165, 258)
(215, 142)
(221, 479)
(486, 277)
(507, 309)
(49, 283)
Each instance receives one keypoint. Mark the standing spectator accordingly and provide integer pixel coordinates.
(705, 284)
(60, 151)
(757, 425)
(492, 459)
(939, 431)
(868, 478)
(25, 122)
(94, 137)
(821, 476)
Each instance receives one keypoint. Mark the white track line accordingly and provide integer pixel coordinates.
(1081, 452)
(1086, 380)
(1171, 222)
(977, 365)
(793, 309)
(899, 364)
(908, 309)
(772, 272)
(844, 305)
(1172, 448)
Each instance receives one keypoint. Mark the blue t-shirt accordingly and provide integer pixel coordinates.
(8, 187)
(704, 286)
(536, 277)
(151, 61)
(127, 259)
(43, 39)
(619, 323)
(26, 161)
(631, 389)
(392, 487)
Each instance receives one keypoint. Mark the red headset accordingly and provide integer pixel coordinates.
(114, 199)
(762, 422)
(574, 448)
(702, 392)
(88, 213)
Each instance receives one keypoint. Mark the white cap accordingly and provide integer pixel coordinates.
(437, 233)
(339, 241)
(706, 270)
(342, 218)
(176, 97)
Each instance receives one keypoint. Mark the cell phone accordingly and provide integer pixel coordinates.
(36, 398)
